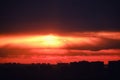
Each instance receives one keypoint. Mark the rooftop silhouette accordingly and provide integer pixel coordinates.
(82, 70)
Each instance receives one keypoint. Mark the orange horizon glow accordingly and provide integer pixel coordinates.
(47, 41)
(53, 48)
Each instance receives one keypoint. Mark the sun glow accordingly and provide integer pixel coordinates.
(44, 41)
(51, 41)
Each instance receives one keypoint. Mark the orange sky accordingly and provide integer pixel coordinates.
(52, 48)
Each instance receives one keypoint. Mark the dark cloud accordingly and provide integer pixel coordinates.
(105, 43)
(105, 52)
(25, 53)
(13, 52)
(59, 15)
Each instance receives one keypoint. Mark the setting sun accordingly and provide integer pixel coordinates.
(51, 41)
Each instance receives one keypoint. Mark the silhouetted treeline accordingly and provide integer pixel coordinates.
(62, 71)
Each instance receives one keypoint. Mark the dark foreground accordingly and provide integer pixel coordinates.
(72, 71)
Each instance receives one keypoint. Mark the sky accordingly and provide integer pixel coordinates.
(52, 31)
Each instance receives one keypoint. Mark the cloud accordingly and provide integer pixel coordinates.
(12, 52)
(75, 44)
(103, 44)
(21, 52)
(77, 41)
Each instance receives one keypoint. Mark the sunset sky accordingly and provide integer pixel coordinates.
(52, 31)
